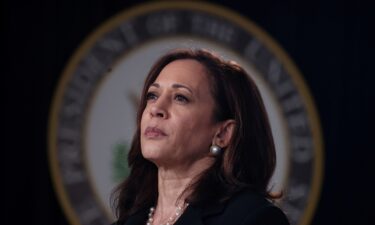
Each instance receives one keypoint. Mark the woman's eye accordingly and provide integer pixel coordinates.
(182, 98)
(151, 96)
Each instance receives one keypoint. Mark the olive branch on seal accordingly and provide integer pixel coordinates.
(120, 169)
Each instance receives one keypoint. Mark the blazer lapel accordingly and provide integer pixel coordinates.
(194, 215)
(213, 210)
(191, 216)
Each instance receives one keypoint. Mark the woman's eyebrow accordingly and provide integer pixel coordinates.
(173, 86)
(155, 85)
(182, 86)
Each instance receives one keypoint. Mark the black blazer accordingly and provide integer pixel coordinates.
(246, 208)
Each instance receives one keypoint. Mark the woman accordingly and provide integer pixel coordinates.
(203, 152)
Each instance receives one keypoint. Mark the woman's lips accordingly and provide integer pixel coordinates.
(153, 132)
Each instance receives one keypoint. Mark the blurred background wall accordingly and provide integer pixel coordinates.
(330, 41)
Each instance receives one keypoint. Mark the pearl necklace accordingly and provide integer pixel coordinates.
(171, 219)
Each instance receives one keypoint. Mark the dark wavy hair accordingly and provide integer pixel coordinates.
(247, 162)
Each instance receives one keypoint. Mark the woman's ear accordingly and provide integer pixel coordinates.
(224, 133)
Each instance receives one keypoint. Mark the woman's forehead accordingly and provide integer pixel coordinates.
(183, 71)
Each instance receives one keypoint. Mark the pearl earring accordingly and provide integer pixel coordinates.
(215, 150)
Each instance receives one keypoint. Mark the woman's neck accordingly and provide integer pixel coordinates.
(172, 184)
(171, 195)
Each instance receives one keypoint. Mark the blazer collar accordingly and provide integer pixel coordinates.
(193, 215)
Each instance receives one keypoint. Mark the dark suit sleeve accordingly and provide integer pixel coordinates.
(269, 215)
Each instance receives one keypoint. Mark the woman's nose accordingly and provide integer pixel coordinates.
(159, 109)
(158, 112)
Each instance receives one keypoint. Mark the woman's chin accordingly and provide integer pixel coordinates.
(152, 155)
(159, 160)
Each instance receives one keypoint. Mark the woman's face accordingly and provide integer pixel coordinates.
(177, 125)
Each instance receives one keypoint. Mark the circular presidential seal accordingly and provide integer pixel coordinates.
(92, 118)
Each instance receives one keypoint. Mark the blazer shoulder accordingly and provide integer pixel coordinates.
(249, 200)
(249, 208)
(268, 215)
